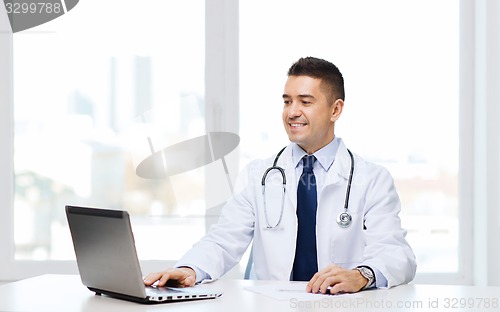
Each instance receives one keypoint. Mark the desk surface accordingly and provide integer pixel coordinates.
(66, 293)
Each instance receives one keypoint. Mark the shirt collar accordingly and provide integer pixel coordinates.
(325, 156)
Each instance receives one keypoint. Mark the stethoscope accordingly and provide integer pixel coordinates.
(344, 219)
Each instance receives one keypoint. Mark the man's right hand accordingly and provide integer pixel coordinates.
(180, 277)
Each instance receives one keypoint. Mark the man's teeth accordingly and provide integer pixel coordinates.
(297, 125)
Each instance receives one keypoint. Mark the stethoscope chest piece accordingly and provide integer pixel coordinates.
(344, 219)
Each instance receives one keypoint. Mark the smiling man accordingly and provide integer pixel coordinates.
(336, 223)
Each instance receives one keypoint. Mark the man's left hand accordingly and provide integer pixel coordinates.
(338, 279)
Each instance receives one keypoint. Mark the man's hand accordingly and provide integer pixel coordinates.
(180, 277)
(340, 280)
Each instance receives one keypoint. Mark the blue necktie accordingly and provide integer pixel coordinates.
(305, 264)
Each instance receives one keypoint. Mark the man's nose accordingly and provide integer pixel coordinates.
(294, 110)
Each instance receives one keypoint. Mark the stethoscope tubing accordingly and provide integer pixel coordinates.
(344, 219)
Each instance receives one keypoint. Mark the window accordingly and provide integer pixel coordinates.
(92, 101)
(93, 92)
(401, 107)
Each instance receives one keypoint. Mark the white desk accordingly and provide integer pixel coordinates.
(66, 293)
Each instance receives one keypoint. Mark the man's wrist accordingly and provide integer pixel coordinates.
(190, 269)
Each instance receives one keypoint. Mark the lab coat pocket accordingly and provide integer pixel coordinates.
(346, 244)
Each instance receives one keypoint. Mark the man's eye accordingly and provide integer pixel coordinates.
(286, 102)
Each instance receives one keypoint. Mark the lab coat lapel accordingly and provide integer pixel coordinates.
(340, 168)
(287, 163)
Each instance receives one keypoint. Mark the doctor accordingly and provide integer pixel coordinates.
(318, 239)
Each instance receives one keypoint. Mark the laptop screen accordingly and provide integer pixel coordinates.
(105, 250)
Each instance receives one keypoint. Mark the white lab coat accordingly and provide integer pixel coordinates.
(375, 237)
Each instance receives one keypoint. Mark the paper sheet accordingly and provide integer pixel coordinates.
(288, 291)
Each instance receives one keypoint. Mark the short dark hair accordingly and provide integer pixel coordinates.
(330, 75)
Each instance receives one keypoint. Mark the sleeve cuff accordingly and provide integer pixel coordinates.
(380, 280)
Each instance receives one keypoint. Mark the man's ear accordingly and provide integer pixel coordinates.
(338, 106)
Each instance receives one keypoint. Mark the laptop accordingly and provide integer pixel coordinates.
(107, 259)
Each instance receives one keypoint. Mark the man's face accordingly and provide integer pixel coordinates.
(308, 117)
